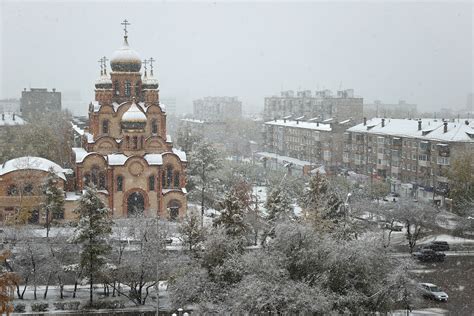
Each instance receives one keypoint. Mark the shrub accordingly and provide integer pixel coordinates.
(39, 307)
(19, 308)
(113, 304)
(72, 305)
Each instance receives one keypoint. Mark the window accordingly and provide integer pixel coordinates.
(154, 126)
(105, 126)
(423, 157)
(151, 183)
(12, 190)
(173, 209)
(28, 189)
(116, 87)
(135, 142)
(95, 177)
(58, 214)
(169, 176)
(137, 89)
(176, 180)
(119, 183)
(443, 161)
(128, 88)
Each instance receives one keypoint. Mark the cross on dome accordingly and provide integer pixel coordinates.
(125, 23)
(151, 60)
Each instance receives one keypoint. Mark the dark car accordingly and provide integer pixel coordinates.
(429, 255)
(438, 245)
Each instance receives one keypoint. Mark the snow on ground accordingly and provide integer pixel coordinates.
(427, 311)
(443, 237)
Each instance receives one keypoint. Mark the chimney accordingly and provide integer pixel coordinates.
(466, 122)
(3, 116)
(317, 123)
(13, 116)
(284, 120)
(54, 89)
(365, 121)
(445, 129)
(383, 122)
(297, 122)
(419, 125)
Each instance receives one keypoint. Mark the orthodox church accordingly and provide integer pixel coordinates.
(125, 151)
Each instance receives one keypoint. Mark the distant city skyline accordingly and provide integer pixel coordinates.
(418, 52)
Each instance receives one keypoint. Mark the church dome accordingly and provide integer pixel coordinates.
(104, 82)
(125, 59)
(133, 119)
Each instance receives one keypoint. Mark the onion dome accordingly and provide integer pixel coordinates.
(125, 59)
(150, 82)
(104, 82)
(133, 119)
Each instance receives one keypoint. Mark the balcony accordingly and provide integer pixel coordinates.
(424, 163)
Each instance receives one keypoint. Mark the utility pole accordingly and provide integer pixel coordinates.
(157, 271)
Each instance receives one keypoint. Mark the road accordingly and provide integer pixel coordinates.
(456, 277)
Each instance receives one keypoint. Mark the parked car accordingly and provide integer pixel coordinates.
(429, 255)
(433, 291)
(394, 227)
(438, 245)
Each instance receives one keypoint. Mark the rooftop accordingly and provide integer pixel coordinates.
(300, 124)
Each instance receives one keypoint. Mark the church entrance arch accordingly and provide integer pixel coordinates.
(135, 204)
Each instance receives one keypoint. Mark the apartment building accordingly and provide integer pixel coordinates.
(414, 155)
(306, 143)
(321, 105)
(217, 109)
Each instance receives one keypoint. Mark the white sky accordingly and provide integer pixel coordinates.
(419, 52)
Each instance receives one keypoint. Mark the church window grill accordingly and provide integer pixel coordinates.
(154, 126)
(163, 179)
(119, 184)
(12, 190)
(128, 88)
(151, 183)
(28, 189)
(116, 87)
(105, 126)
(176, 180)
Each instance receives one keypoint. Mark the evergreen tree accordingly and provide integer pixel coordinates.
(461, 183)
(278, 205)
(191, 231)
(91, 232)
(232, 215)
(53, 204)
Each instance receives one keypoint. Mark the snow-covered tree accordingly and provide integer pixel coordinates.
(461, 183)
(191, 231)
(232, 216)
(278, 205)
(203, 160)
(53, 204)
(8, 281)
(91, 233)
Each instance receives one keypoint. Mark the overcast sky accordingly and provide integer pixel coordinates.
(419, 52)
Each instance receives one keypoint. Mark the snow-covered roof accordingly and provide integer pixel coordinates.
(6, 119)
(164, 191)
(32, 163)
(154, 159)
(181, 154)
(284, 159)
(162, 107)
(80, 153)
(77, 129)
(431, 129)
(300, 124)
(193, 121)
(134, 114)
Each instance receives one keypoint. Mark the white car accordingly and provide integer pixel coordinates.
(433, 291)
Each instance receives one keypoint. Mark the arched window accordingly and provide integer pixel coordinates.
(154, 126)
(116, 87)
(151, 183)
(135, 142)
(87, 178)
(169, 176)
(137, 89)
(105, 126)
(119, 183)
(128, 88)
(102, 181)
(173, 209)
(12, 190)
(176, 179)
(96, 178)
(163, 179)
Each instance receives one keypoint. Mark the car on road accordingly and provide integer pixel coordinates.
(432, 291)
(429, 255)
(438, 245)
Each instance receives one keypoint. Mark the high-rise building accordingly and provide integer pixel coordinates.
(39, 101)
(402, 109)
(217, 109)
(322, 105)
